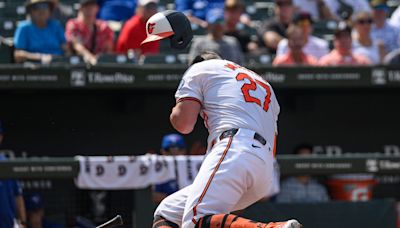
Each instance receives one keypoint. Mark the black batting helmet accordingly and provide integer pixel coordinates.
(169, 24)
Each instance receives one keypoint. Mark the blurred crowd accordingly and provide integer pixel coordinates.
(362, 32)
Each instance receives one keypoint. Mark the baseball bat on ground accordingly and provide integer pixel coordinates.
(116, 221)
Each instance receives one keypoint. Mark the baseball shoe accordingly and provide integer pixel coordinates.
(292, 223)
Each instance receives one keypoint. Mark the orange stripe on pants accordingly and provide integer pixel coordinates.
(210, 179)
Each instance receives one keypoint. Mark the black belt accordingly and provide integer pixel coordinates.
(233, 131)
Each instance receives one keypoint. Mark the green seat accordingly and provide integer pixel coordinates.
(7, 27)
(111, 58)
(6, 50)
(259, 59)
(164, 59)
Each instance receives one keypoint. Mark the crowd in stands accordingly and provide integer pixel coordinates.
(357, 32)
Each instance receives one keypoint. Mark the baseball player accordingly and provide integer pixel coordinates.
(240, 111)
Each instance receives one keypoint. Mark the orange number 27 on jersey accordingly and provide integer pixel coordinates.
(252, 85)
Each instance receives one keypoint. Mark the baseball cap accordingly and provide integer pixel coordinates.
(215, 16)
(341, 27)
(33, 201)
(39, 4)
(157, 28)
(302, 16)
(379, 5)
(145, 2)
(172, 140)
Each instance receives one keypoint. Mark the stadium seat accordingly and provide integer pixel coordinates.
(73, 60)
(7, 27)
(6, 50)
(105, 58)
(261, 59)
(165, 59)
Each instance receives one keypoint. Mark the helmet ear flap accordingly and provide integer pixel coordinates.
(182, 28)
(181, 41)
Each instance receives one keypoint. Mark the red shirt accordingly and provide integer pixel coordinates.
(287, 59)
(77, 30)
(334, 58)
(132, 34)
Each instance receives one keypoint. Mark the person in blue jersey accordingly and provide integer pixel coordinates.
(35, 212)
(196, 10)
(12, 208)
(171, 145)
(39, 38)
(116, 10)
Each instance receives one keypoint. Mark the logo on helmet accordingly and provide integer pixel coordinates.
(150, 27)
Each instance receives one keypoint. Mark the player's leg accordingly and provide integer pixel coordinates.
(170, 211)
(233, 176)
(234, 221)
(224, 177)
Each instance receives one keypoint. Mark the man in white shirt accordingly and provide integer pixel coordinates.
(315, 46)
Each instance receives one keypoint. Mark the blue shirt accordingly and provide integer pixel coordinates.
(168, 187)
(9, 189)
(47, 40)
(388, 34)
(116, 10)
(198, 8)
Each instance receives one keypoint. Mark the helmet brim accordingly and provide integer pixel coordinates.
(156, 37)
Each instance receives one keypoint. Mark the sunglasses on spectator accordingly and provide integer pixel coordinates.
(283, 3)
(365, 21)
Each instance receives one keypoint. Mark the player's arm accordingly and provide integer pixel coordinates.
(184, 115)
(20, 206)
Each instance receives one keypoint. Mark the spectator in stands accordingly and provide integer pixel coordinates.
(134, 31)
(35, 212)
(226, 46)
(363, 43)
(317, 9)
(342, 54)
(196, 10)
(233, 11)
(345, 9)
(62, 12)
(89, 37)
(315, 46)
(295, 55)
(116, 10)
(171, 145)
(302, 188)
(12, 208)
(382, 31)
(39, 38)
(274, 30)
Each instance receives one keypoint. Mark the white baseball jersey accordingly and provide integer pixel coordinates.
(231, 97)
(237, 170)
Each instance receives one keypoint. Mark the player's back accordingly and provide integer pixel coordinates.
(233, 97)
